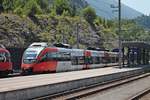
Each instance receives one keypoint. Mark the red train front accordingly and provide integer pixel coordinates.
(5, 61)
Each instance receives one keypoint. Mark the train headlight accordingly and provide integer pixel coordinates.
(29, 61)
(33, 60)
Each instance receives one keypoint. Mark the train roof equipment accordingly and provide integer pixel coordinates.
(39, 44)
(97, 49)
(62, 45)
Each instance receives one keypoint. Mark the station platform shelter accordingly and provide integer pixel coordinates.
(135, 53)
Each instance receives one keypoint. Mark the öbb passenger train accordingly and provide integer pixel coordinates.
(39, 58)
(5, 61)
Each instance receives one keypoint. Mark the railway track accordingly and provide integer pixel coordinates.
(86, 91)
(15, 73)
(140, 95)
(10, 75)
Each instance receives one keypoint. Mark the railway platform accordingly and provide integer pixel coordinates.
(29, 87)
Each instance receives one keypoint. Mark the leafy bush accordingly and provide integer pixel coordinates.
(61, 6)
(89, 14)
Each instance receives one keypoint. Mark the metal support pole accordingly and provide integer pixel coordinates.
(128, 58)
(123, 57)
(119, 33)
(148, 57)
(63, 36)
(77, 36)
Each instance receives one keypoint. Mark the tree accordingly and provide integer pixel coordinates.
(8, 5)
(53, 13)
(61, 6)
(1, 6)
(73, 10)
(18, 6)
(89, 14)
(31, 8)
(65, 13)
(44, 4)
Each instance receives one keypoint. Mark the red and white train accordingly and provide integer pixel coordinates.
(5, 61)
(39, 58)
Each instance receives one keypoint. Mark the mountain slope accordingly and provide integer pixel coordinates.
(103, 9)
(143, 21)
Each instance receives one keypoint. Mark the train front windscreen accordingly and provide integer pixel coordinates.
(30, 57)
(3, 56)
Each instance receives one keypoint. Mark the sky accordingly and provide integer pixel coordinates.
(139, 5)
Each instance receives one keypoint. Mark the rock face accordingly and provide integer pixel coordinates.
(16, 31)
(67, 28)
(103, 9)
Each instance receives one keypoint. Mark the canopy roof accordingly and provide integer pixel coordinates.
(136, 44)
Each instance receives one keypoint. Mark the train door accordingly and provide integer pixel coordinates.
(88, 59)
(64, 60)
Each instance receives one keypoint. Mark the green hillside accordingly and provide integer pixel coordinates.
(103, 9)
(25, 21)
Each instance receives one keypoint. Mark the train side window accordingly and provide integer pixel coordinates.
(65, 57)
(93, 59)
(113, 59)
(74, 60)
(104, 60)
(59, 56)
(96, 60)
(81, 60)
(100, 60)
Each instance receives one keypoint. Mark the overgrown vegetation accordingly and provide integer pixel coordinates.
(25, 21)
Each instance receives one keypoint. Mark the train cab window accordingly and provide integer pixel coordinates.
(29, 57)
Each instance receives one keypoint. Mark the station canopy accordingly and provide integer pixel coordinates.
(136, 44)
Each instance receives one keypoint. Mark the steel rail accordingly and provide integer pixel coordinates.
(140, 94)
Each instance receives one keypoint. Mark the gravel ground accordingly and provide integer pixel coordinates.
(122, 92)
